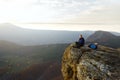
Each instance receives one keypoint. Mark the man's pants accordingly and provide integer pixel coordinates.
(78, 45)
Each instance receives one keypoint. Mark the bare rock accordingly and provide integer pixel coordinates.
(87, 64)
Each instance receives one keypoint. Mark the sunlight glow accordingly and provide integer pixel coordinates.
(29, 13)
(69, 27)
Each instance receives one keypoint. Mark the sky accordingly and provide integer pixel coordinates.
(74, 15)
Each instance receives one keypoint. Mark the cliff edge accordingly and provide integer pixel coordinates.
(87, 64)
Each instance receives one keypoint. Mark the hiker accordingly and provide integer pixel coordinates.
(80, 42)
(93, 46)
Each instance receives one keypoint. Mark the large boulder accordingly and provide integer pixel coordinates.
(87, 64)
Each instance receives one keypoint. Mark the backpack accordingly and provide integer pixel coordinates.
(92, 46)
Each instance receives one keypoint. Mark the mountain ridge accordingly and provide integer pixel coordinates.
(23, 36)
(104, 38)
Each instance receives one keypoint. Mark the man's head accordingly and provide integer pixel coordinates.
(81, 36)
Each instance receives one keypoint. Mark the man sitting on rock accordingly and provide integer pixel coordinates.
(80, 42)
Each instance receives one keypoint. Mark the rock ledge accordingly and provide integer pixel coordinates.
(88, 64)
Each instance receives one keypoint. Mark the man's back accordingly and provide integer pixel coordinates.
(81, 41)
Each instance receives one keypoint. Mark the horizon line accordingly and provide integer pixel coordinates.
(73, 23)
(62, 23)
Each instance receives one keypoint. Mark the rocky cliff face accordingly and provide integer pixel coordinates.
(87, 64)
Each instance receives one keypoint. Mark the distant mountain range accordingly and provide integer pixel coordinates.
(12, 33)
(105, 38)
(21, 36)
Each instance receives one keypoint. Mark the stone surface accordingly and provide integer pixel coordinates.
(87, 64)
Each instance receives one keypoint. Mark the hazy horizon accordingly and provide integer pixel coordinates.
(70, 27)
(71, 15)
(63, 27)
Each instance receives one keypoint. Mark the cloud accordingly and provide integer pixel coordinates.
(24, 11)
(107, 14)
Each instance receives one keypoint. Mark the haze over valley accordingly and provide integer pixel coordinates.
(34, 54)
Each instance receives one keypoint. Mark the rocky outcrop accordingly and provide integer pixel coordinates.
(87, 64)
